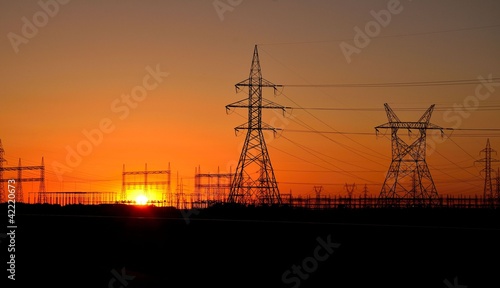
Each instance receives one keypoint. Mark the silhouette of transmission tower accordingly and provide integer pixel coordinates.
(254, 181)
(487, 160)
(18, 181)
(408, 181)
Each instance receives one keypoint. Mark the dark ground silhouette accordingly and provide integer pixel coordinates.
(231, 246)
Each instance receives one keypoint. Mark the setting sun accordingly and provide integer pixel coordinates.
(141, 200)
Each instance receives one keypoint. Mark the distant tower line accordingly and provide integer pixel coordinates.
(318, 189)
(254, 180)
(146, 183)
(350, 189)
(487, 160)
(19, 179)
(365, 191)
(408, 179)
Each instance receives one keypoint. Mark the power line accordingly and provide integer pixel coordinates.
(465, 151)
(340, 170)
(323, 171)
(375, 134)
(393, 84)
(386, 36)
(325, 155)
(455, 164)
(322, 183)
(442, 108)
(329, 132)
(340, 144)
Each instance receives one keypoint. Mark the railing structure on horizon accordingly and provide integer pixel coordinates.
(68, 198)
(323, 202)
(361, 202)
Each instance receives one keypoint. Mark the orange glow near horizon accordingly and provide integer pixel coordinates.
(141, 197)
(141, 200)
(126, 89)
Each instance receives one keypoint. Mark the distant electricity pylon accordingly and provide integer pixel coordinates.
(350, 189)
(254, 180)
(488, 187)
(19, 197)
(408, 181)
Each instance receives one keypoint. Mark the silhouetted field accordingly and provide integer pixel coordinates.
(230, 246)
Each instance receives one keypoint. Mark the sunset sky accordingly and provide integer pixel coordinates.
(70, 66)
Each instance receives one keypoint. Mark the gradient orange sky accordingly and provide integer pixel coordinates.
(65, 77)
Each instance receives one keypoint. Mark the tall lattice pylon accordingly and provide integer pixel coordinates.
(19, 180)
(408, 181)
(254, 181)
(487, 160)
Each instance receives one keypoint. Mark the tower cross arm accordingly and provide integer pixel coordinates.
(409, 125)
(15, 168)
(243, 103)
(264, 126)
(262, 83)
(483, 160)
(266, 104)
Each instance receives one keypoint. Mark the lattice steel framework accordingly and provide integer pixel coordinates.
(349, 188)
(214, 185)
(487, 160)
(408, 181)
(146, 184)
(42, 197)
(254, 181)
